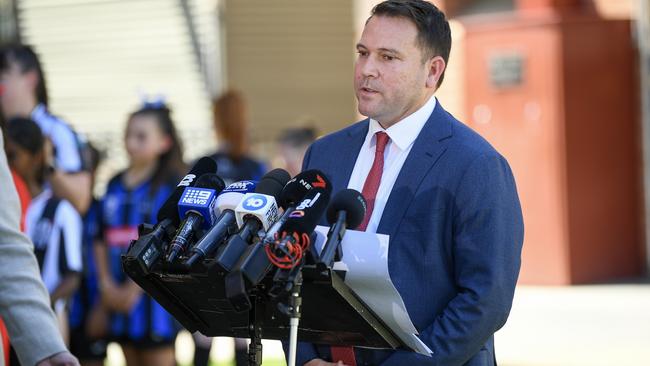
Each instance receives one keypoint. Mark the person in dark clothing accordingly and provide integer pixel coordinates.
(235, 164)
(231, 125)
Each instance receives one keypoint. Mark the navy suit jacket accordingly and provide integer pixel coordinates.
(456, 233)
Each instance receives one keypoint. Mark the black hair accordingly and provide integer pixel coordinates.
(27, 60)
(95, 156)
(25, 133)
(434, 34)
(170, 163)
(296, 137)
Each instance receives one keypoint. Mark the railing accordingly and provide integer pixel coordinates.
(206, 48)
(9, 21)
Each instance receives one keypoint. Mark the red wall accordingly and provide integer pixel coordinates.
(570, 131)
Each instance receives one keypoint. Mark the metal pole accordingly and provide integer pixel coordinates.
(295, 303)
(643, 37)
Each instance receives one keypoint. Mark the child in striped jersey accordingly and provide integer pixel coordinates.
(52, 224)
(143, 328)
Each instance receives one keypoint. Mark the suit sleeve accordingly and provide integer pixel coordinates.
(306, 351)
(487, 242)
(24, 302)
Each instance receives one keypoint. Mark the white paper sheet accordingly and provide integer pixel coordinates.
(365, 258)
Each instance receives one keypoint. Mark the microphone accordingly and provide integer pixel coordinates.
(262, 205)
(297, 230)
(287, 253)
(255, 263)
(169, 210)
(226, 224)
(196, 206)
(256, 210)
(292, 193)
(296, 189)
(346, 211)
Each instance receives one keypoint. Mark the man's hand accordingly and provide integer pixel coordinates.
(60, 359)
(319, 362)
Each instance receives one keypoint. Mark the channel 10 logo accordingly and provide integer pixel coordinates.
(254, 202)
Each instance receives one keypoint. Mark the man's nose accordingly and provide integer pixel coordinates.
(369, 67)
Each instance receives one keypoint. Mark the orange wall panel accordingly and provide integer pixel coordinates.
(555, 126)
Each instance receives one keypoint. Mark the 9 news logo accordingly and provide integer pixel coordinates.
(196, 196)
(254, 202)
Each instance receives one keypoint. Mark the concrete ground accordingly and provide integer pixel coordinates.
(578, 325)
(593, 325)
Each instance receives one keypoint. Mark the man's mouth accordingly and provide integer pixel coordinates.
(368, 90)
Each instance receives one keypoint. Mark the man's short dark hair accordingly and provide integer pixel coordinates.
(25, 133)
(27, 60)
(434, 34)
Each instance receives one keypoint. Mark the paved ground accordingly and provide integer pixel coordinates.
(578, 325)
(596, 325)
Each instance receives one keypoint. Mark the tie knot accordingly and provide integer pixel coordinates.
(382, 140)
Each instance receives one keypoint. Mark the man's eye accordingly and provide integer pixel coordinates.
(362, 53)
(387, 57)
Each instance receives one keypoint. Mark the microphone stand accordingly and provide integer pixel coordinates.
(289, 283)
(295, 302)
(255, 316)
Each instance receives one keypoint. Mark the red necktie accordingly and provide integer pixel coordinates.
(370, 188)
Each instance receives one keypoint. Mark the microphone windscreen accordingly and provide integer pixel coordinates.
(296, 189)
(272, 183)
(352, 202)
(211, 181)
(305, 217)
(169, 209)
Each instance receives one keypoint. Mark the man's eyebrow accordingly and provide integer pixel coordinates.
(389, 50)
(382, 49)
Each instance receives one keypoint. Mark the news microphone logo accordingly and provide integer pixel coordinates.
(196, 196)
(187, 180)
(319, 182)
(305, 204)
(259, 205)
(243, 186)
(254, 202)
(201, 200)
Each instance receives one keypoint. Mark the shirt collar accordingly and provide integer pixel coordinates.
(404, 132)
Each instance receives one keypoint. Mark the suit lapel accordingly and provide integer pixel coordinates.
(348, 150)
(427, 148)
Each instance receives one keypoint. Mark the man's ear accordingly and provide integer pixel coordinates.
(436, 66)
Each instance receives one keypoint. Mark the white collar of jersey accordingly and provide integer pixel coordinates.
(39, 111)
(404, 132)
(45, 195)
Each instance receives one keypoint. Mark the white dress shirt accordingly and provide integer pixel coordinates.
(402, 136)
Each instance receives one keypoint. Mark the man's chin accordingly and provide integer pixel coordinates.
(367, 111)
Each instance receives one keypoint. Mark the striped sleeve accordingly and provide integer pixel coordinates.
(70, 225)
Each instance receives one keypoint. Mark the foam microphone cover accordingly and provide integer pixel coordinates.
(352, 202)
(296, 189)
(211, 181)
(169, 209)
(305, 217)
(272, 183)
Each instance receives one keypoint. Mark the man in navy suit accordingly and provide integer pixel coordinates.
(445, 196)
